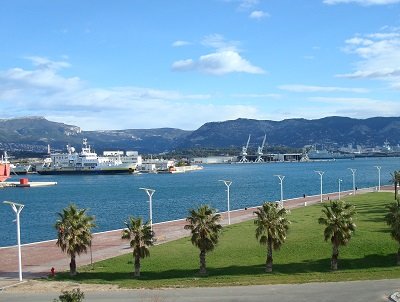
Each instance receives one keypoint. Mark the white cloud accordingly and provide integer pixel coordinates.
(45, 75)
(308, 88)
(218, 42)
(379, 57)
(362, 2)
(226, 59)
(248, 4)
(218, 63)
(45, 92)
(258, 14)
(359, 107)
(180, 43)
(257, 95)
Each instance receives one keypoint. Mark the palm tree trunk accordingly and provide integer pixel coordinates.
(203, 270)
(335, 256)
(268, 263)
(395, 190)
(398, 257)
(72, 266)
(137, 265)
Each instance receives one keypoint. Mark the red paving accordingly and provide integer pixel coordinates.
(39, 258)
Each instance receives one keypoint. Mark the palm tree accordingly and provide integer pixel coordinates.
(205, 228)
(395, 180)
(272, 226)
(338, 219)
(141, 237)
(74, 233)
(393, 220)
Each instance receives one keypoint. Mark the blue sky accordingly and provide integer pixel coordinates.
(147, 64)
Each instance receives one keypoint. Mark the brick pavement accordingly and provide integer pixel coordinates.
(38, 258)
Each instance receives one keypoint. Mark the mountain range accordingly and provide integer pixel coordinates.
(35, 133)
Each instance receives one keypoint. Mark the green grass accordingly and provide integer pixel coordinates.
(239, 259)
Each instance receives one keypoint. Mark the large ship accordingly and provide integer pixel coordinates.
(86, 162)
(20, 169)
(327, 155)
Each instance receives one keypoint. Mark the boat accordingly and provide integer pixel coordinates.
(20, 169)
(4, 168)
(327, 155)
(85, 162)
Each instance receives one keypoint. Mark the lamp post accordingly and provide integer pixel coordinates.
(339, 181)
(228, 184)
(150, 192)
(353, 171)
(321, 173)
(281, 177)
(17, 208)
(379, 177)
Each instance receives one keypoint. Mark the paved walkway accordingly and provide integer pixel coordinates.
(38, 258)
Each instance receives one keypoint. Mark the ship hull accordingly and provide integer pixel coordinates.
(4, 172)
(84, 172)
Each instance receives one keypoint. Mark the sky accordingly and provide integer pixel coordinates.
(140, 64)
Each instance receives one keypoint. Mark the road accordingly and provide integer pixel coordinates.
(355, 291)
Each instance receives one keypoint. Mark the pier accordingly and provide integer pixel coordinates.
(24, 184)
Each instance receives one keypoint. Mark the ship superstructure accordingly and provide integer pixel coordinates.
(87, 162)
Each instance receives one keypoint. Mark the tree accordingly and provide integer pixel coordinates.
(141, 238)
(74, 233)
(338, 219)
(272, 227)
(395, 180)
(205, 228)
(392, 218)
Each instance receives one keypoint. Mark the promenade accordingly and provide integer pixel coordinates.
(38, 258)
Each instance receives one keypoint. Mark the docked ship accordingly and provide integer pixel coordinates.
(86, 162)
(20, 169)
(327, 155)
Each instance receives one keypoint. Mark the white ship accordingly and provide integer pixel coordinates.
(20, 169)
(87, 162)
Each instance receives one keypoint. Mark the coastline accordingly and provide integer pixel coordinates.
(39, 257)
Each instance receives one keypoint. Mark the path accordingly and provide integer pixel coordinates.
(355, 291)
(38, 258)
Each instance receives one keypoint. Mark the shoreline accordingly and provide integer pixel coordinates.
(39, 257)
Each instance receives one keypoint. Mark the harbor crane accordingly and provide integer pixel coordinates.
(244, 152)
(260, 151)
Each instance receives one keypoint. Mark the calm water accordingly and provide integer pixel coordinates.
(112, 198)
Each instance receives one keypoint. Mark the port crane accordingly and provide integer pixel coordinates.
(244, 152)
(260, 151)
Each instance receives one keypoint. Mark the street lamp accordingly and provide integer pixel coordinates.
(339, 181)
(17, 208)
(379, 177)
(281, 177)
(353, 171)
(321, 173)
(228, 184)
(150, 192)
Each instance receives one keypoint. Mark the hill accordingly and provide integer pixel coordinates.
(339, 131)
(33, 134)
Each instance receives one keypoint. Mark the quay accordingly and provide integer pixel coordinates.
(25, 184)
(38, 258)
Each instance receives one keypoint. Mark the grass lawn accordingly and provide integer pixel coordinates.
(239, 259)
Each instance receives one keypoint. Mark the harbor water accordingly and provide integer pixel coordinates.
(112, 198)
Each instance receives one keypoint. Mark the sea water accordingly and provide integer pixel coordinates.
(113, 198)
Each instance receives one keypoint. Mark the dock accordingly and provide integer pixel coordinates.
(18, 184)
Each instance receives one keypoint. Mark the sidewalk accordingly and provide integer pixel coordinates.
(38, 258)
